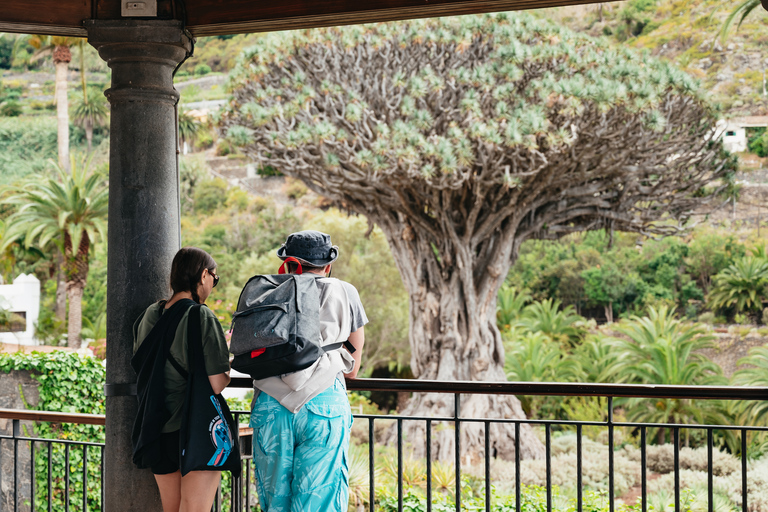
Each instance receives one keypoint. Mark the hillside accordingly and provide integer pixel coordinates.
(685, 32)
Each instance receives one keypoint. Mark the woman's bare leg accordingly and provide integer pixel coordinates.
(198, 489)
(170, 491)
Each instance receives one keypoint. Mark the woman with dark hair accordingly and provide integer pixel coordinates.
(193, 277)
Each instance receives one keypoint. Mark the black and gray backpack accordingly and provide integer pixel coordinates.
(276, 328)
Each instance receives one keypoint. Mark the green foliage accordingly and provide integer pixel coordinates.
(587, 273)
(753, 371)
(509, 306)
(547, 318)
(62, 210)
(533, 357)
(10, 108)
(202, 69)
(210, 195)
(532, 499)
(26, 145)
(758, 142)
(662, 350)
(68, 383)
(189, 126)
(741, 286)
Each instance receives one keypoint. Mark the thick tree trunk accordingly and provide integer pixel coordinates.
(77, 274)
(62, 104)
(75, 323)
(454, 337)
(89, 134)
(60, 308)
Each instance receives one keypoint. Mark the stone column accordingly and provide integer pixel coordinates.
(144, 229)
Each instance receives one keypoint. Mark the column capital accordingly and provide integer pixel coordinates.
(143, 55)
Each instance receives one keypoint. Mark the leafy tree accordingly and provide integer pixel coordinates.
(463, 137)
(89, 111)
(741, 286)
(68, 210)
(605, 286)
(708, 254)
(662, 350)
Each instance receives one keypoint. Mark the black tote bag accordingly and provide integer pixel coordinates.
(208, 436)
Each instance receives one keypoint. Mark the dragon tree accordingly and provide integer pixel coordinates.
(464, 137)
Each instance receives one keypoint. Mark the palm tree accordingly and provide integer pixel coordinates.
(534, 357)
(189, 128)
(70, 211)
(662, 350)
(59, 48)
(741, 286)
(509, 306)
(753, 371)
(740, 12)
(89, 111)
(547, 318)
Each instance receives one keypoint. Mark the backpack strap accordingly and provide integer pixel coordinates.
(337, 346)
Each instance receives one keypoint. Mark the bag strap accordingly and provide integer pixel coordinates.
(337, 346)
(195, 342)
(290, 259)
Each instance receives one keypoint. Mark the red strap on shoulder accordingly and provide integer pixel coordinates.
(292, 260)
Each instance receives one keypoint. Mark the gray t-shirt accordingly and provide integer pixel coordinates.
(359, 318)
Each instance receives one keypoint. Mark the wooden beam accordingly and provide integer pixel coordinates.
(60, 18)
(208, 18)
(218, 17)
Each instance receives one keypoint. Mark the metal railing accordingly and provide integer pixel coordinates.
(240, 496)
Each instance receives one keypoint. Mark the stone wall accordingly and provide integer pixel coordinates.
(16, 388)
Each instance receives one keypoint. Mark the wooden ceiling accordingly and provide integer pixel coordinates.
(218, 17)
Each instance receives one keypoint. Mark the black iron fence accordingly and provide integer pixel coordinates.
(239, 494)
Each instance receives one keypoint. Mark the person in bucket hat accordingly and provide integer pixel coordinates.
(312, 248)
(302, 421)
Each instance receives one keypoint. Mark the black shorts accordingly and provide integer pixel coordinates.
(168, 451)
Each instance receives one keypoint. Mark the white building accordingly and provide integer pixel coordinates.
(734, 131)
(23, 298)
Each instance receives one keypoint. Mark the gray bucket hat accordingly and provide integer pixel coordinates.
(310, 247)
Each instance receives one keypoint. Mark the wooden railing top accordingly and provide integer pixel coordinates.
(53, 417)
(467, 387)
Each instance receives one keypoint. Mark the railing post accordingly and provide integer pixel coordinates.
(457, 424)
(610, 454)
(16, 435)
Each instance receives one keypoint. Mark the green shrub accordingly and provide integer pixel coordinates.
(10, 108)
(210, 195)
(202, 69)
(70, 383)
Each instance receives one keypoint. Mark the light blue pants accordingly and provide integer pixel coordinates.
(301, 458)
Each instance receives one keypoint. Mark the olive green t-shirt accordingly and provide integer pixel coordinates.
(215, 352)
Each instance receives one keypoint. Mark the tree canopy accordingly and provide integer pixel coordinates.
(463, 137)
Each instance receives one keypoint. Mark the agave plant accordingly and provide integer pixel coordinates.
(741, 286)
